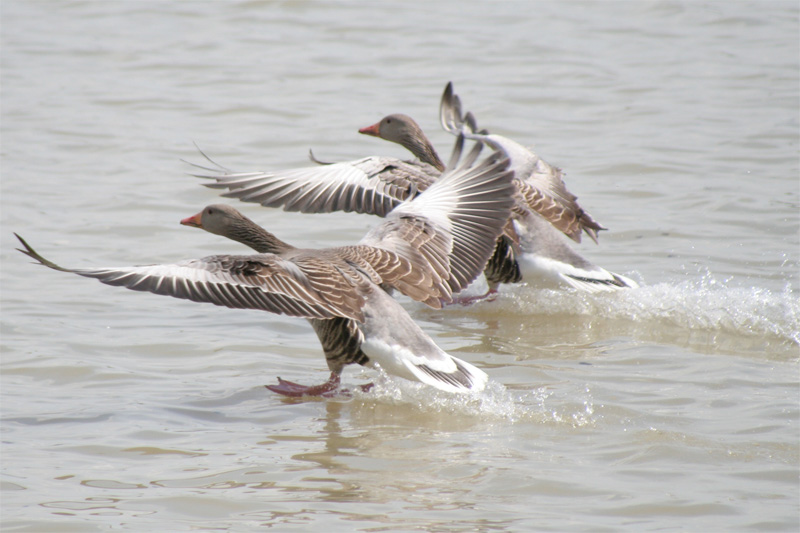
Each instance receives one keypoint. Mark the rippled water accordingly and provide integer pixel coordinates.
(671, 407)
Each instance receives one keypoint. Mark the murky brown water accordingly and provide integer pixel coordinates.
(672, 407)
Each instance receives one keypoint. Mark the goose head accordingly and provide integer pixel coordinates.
(224, 220)
(405, 131)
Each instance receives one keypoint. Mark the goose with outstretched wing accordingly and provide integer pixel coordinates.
(531, 248)
(427, 248)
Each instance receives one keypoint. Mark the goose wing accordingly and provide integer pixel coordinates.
(541, 185)
(544, 192)
(303, 288)
(390, 269)
(451, 228)
(372, 185)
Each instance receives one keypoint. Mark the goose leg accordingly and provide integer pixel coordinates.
(490, 295)
(328, 389)
(289, 388)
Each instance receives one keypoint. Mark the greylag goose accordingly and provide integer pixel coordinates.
(427, 248)
(531, 248)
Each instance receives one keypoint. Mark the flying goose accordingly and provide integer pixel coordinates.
(531, 248)
(427, 248)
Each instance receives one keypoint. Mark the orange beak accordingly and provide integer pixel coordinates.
(195, 221)
(374, 130)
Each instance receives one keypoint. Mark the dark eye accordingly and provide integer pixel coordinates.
(210, 211)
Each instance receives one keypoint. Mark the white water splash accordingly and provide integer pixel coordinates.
(702, 304)
(496, 403)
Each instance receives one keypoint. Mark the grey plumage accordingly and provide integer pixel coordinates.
(539, 192)
(424, 249)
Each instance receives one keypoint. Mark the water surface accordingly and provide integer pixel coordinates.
(671, 407)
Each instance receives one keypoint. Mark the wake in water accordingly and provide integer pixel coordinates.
(739, 318)
(702, 314)
(552, 405)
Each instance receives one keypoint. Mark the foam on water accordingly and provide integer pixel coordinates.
(702, 313)
(704, 304)
(497, 403)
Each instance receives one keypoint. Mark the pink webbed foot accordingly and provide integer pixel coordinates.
(329, 389)
(295, 390)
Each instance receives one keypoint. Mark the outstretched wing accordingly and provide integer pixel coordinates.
(452, 227)
(373, 185)
(264, 282)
